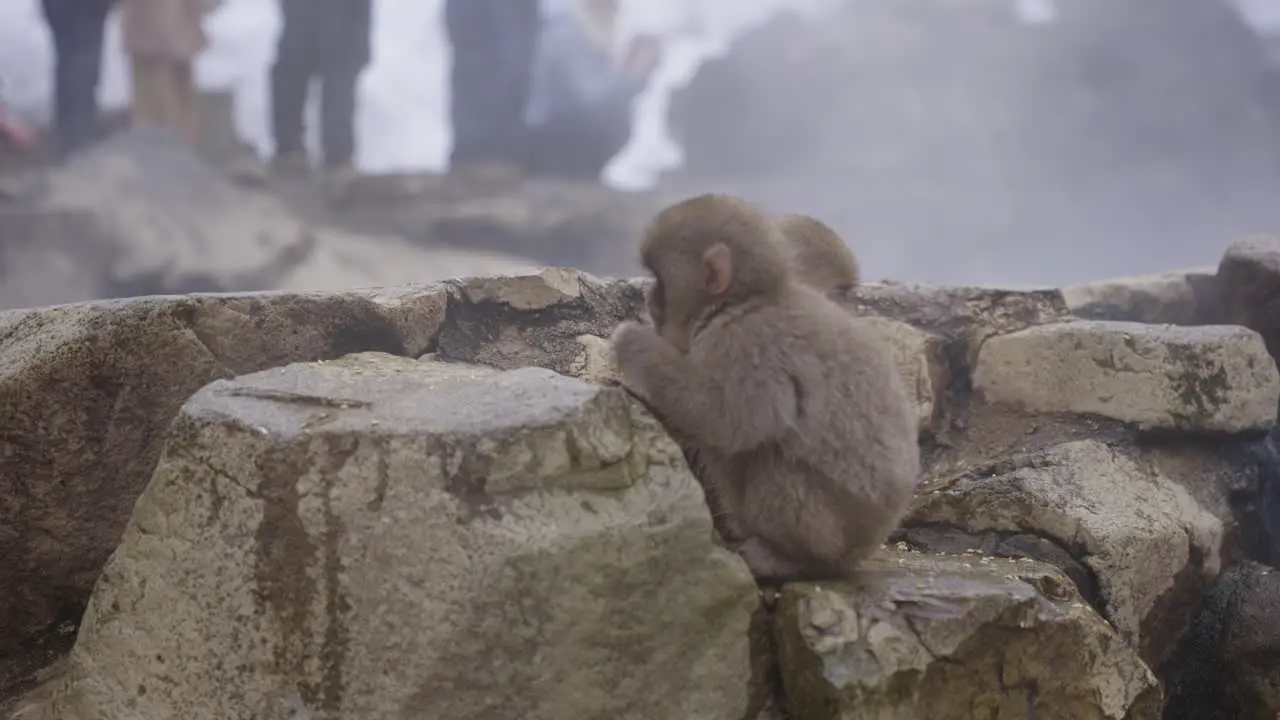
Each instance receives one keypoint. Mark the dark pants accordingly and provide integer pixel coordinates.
(577, 146)
(77, 27)
(325, 40)
(494, 42)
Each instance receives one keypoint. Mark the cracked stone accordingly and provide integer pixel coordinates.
(399, 538)
(536, 319)
(1150, 544)
(952, 638)
(1214, 378)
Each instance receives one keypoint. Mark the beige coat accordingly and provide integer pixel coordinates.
(164, 29)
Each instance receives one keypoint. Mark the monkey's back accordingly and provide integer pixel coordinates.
(850, 463)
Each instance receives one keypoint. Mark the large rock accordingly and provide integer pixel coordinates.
(161, 220)
(968, 315)
(1146, 542)
(966, 637)
(1249, 287)
(1231, 657)
(1177, 298)
(546, 319)
(381, 537)
(1206, 379)
(86, 392)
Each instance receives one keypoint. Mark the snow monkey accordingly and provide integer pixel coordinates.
(801, 426)
(820, 256)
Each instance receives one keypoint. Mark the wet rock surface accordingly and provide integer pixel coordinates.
(507, 467)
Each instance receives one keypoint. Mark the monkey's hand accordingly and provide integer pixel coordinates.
(636, 347)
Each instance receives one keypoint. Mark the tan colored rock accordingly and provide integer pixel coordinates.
(1249, 287)
(921, 361)
(535, 319)
(86, 392)
(383, 538)
(954, 638)
(596, 361)
(1213, 378)
(538, 291)
(1177, 298)
(1144, 537)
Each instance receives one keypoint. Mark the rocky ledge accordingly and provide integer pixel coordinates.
(421, 502)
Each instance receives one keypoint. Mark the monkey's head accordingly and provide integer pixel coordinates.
(710, 250)
(819, 255)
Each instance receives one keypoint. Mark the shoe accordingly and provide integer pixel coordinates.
(293, 164)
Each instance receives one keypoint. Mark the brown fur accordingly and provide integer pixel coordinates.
(801, 425)
(820, 256)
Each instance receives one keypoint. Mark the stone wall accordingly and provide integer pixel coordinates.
(420, 502)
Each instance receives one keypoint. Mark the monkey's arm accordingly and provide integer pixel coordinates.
(731, 410)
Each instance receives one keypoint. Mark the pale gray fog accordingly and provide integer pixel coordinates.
(961, 141)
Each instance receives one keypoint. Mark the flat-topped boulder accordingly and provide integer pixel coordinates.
(1158, 377)
(384, 537)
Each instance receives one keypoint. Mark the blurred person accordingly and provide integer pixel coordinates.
(758, 108)
(494, 43)
(329, 41)
(584, 81)
(162, 39)
(77, 27)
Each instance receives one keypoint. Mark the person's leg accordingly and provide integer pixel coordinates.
(146, 106)
(470, 39)
(518, 24)
(77, 27)
(290, 76)
(57, 14)
(337, 116)
(344, 28)
(493, 43)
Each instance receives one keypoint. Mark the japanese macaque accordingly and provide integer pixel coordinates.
(801, 429)
(819, 255)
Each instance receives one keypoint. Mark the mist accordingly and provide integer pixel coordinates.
(1009, 142)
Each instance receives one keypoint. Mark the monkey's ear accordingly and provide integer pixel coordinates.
(718, 263)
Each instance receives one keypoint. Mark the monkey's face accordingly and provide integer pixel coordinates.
(671, 313)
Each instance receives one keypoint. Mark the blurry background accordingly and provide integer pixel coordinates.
(955, 141)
